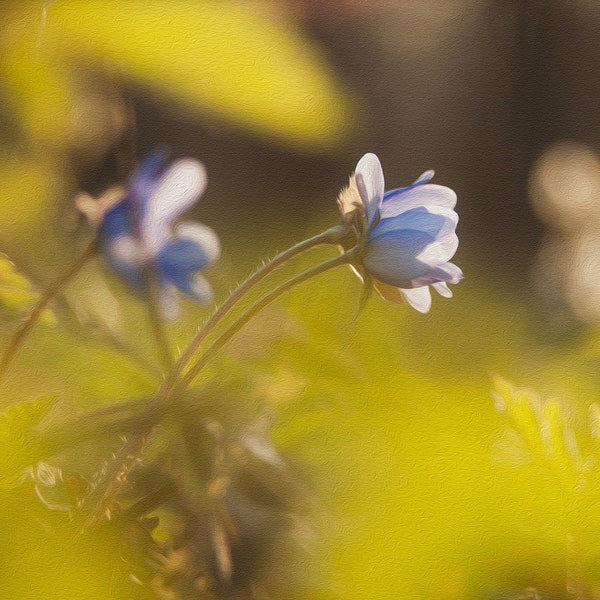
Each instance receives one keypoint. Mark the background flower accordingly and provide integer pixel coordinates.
(137, 233)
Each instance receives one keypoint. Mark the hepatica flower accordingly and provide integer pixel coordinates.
(407, 235)
(139, 238)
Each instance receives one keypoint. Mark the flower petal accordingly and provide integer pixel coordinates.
(419, 298)
(144, 179)
(117, 221)
(441, 287)
(178, 263)
(196, 287)
(453, 273)
(439, 251)
(392, 257)
(168, 306)
(125, 256)
(447, 272)
(179, 259)
(200, 290)
(176, 191)
(202, 235)
(424, 177)
(398, 201)
(436, 221)
(370, 184)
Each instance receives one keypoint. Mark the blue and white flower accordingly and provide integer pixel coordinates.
(138, 238)
(407, 235)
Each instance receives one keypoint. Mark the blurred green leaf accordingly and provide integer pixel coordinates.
(226, 59)
(16, 292)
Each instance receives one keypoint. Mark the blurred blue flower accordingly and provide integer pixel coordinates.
(409, 234)
(138, 238)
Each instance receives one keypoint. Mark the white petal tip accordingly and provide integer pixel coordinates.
(442, 289)
(419, 298)
(370, 158)
(202, 290)
(125, 250)
(425, 177)
(168, 305)
(370, 183)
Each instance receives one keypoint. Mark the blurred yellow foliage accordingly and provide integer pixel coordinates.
(225, 59)
(25, 187)
(16, 293)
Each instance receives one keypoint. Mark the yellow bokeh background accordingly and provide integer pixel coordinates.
(423, 488)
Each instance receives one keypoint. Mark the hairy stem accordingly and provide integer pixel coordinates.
(330, 236)
(99, 502)
(100, 499)
(252, 311)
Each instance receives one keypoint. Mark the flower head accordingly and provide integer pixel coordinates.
(407, 235)
(137, 234)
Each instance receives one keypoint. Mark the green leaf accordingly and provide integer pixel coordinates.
(228, 60)
(16, 292)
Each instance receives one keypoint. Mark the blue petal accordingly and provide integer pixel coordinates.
(447, 272)
(124, 218)
(401, 190)
(421, 180)
(145, 177)
(416, 219)
(403, 199)
(152, 165)
(117, 221)
(391, 257)
(179, 260)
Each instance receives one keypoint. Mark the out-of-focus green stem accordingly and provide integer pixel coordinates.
(100, 500)
(49, 294)
(102, 496)
(140, 414)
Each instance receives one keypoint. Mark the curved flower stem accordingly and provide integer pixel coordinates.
(330, 236)
(49, 294)
(106, 489)
(253, 310)
(140, 414)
